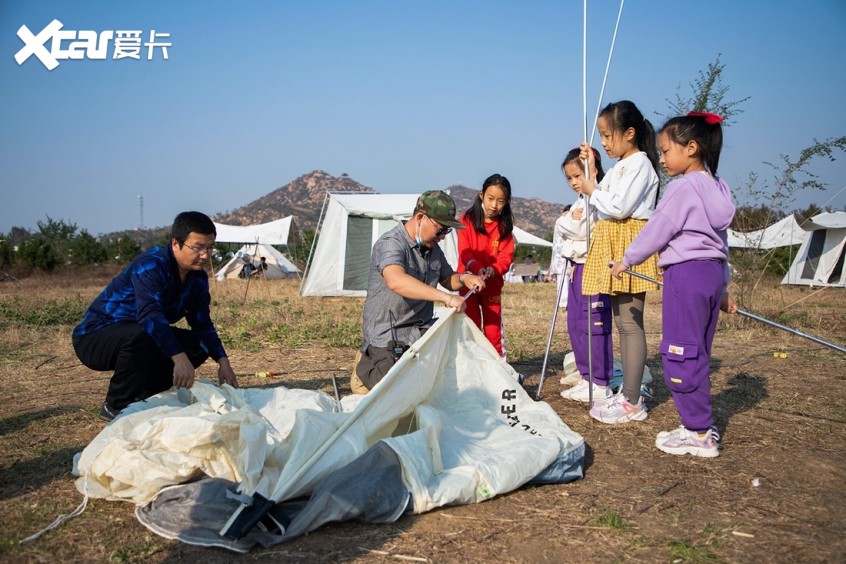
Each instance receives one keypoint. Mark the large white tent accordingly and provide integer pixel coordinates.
(821, 256)
(350, 225)
(271, 233)
(789, 231)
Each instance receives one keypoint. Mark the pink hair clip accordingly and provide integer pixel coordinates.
(710, 119)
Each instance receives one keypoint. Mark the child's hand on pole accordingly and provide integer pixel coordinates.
(728, 304)
(617, 268)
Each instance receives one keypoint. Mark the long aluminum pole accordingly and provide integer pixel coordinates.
(758, 318)
(551, 333)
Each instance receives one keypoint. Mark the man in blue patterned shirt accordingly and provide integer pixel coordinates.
(128, 328)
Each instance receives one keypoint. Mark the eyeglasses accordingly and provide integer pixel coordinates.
(442, 231)
(208, 251)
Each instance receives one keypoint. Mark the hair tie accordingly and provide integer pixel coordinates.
(710, 119)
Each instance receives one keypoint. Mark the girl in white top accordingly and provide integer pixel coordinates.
(584, 313)
(624, 200)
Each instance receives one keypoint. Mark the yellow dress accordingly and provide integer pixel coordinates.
(609, 241)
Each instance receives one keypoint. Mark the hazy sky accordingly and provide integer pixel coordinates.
(403, 96)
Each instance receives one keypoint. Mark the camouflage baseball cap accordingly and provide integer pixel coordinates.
(439, 206)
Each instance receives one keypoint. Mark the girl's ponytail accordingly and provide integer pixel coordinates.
(648, 143)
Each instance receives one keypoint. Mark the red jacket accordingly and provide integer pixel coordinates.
(479, 250)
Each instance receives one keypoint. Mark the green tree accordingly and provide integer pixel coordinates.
(708, 94)
(39, 252)
(85, 249)
(49, 247)
(122, 250)
(6, 254)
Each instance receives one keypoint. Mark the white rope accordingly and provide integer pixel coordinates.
(62, 518)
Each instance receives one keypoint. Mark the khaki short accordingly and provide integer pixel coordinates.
(356, 385)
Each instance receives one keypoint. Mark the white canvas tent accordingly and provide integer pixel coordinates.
(271, 233)
(350, 225)
(447, 425)
(821, 256)
(277, 265)
(783, 233)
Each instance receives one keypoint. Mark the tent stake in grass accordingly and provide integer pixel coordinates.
(758, 318)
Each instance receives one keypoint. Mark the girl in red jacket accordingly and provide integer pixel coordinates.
(486, 248)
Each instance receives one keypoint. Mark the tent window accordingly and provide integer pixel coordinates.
(838, 268)
(357, 257)
(815, 249)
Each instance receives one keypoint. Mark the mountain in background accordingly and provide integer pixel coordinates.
(303, 198)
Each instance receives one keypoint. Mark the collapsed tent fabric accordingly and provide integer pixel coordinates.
(449, 425)
(350, 226)
(277, 265)
(270, 233)
(820, 259)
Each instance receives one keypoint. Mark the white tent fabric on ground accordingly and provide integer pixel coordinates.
(352, 222)
(277, 265)
(271, 233)
(820, 259)
(448, 425)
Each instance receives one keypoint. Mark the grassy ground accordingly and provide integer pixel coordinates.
(782, 420)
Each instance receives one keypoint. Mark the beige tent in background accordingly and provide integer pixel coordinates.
(277, 265)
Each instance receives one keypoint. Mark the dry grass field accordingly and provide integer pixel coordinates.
(776, 493)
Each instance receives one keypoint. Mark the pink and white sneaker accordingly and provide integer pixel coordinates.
(684, 441)
(618, 410)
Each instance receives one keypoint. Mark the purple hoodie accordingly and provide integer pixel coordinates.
(689, 223)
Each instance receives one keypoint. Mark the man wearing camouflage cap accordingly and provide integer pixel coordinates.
(406, 266)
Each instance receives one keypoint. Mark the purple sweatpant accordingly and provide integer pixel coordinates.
(692, 293)
(577, 326)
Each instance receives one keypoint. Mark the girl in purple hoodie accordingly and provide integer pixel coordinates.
(688, 228)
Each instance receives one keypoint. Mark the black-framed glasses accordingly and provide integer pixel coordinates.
(442, 231)
(208, 251)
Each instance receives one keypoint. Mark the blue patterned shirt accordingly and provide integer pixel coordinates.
(149, 292)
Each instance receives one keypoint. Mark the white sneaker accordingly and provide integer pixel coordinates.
(618, 410)
(580, 392)
(715, 434)
(682, 441)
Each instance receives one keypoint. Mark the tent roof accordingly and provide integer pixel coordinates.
(826, 220)
(271, 233)
(401, 206)
(522, 237)
(788, 231)
(783, 233)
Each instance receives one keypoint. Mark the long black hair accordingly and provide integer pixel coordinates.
(476, 212)
(624, 114)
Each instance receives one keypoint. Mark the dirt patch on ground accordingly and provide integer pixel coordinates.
(777, 492)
